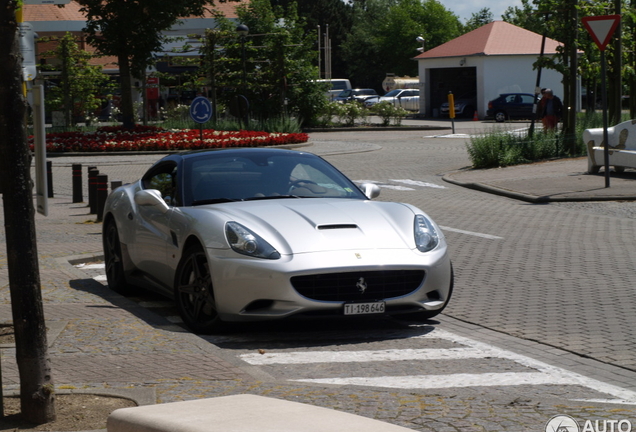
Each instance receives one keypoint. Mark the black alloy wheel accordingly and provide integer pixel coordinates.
(194, 294)
(113, 260)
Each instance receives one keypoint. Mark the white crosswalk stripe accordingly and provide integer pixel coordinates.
(418, 183)
(362, 356)
(539, 373)
(445, 381)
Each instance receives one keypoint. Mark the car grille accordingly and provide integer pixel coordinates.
(358, 286)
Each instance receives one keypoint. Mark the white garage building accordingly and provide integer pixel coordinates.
(493, 59)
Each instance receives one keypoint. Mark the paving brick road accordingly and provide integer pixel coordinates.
(553, 280)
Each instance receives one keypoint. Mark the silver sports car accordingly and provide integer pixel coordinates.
(262, 234)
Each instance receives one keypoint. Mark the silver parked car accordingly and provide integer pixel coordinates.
(355, 95)
(262, 234)
(409, 99)
(464, 106)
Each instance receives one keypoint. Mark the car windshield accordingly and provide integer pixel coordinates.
(241, 176)
(393, 93)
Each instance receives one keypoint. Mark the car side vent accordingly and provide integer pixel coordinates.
(337, 226)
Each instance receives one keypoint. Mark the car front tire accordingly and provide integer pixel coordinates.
(113, 260)
(500, 116)
(194, 293)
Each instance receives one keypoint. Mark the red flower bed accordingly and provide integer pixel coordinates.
(151, 138)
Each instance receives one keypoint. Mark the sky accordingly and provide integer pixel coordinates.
(465, 8)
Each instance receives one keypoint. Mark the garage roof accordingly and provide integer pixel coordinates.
(496, 38)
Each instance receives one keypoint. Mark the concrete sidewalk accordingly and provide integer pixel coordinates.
(552, 181)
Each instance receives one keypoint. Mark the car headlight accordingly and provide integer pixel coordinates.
(426, 236)
(246, 242)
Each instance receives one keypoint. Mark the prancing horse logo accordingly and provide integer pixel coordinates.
(361, 285)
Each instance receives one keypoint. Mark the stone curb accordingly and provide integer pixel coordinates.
(448, 177)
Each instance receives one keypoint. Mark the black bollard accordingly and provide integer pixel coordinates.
(114, 184)
(101, 194)
(78, 195)
(49, 178)
(92, 190)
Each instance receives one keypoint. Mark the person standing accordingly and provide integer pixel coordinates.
(552, 110)
(541, 106)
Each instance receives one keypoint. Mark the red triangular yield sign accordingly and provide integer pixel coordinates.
(601, 28)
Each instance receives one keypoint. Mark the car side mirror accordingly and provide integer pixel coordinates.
(371, 190)
(151, 198)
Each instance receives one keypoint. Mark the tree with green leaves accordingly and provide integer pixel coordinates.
(630, 47)
(526, 17)
(279, 64)
(132, 31)
(479, 19)
(79, 82)
(336, 14)
(383, 37)
(37, 400)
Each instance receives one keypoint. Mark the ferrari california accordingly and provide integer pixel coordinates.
(261, 234)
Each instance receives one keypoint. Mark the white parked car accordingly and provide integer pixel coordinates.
(338, 85)
(409, 99)
(263, 234)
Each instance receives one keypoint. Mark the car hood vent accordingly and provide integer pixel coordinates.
(337, 226)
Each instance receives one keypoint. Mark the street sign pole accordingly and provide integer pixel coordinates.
(605, 133)
(601, 28)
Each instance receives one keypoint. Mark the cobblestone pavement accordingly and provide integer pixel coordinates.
(548, 276)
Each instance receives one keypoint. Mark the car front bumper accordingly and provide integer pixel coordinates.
(250, 289)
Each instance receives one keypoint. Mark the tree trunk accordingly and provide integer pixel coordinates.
(36, 385)
(66, 85)
(573, 93)
(615, 87)
(632, 62)
(127, 108)
(570, 87)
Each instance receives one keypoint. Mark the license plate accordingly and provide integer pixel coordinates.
(364, 308)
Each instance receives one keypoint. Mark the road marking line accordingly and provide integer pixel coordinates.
(384, 185)
(447, 381)
(395, 187)
(476, 234)
(91, 266)
(541, 374)
(418, 183)
(557, 374)
(457, 135)
(363, 356)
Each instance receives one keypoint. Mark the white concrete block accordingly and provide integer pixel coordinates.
(244, 413)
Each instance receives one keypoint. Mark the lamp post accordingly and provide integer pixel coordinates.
(241, 100)
(243, 30)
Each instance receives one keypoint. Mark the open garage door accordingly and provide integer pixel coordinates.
(462, 81)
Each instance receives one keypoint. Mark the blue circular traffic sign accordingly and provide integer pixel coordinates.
(200, 109)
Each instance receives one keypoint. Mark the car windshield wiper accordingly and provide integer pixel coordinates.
(213, 201)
